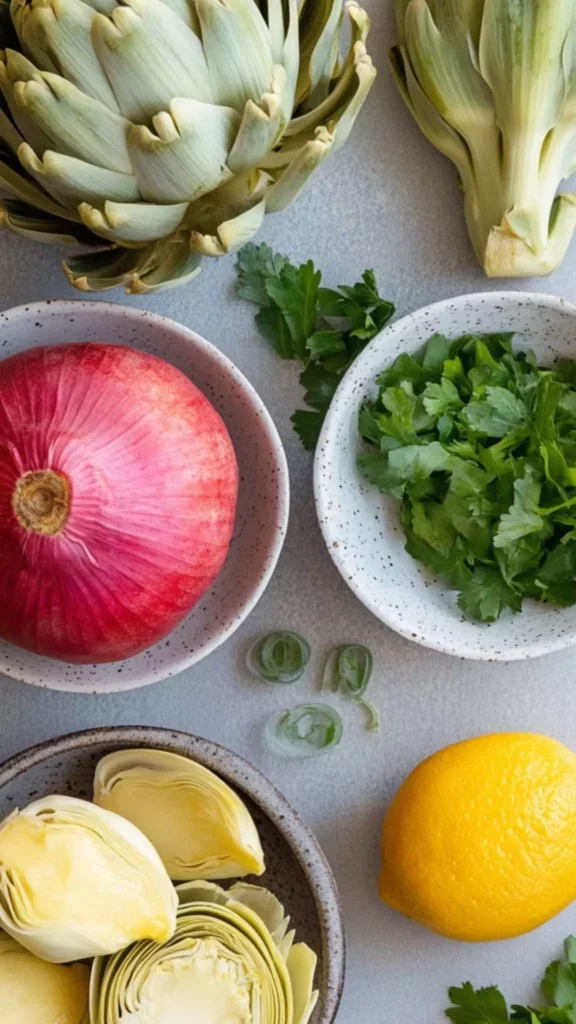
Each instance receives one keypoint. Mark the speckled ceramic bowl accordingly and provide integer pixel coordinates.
(263, 500)
(361, 526)
(297, 871)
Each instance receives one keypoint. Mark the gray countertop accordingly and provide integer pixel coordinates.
(389, 201)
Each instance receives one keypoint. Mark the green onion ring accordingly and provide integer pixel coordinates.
(348, 670)
(279, 657)
(308, 730)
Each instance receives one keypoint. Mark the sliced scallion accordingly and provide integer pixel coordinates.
(308, 730)
(348, 670)
(279, 657)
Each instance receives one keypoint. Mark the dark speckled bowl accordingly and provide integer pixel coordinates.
(297, 873)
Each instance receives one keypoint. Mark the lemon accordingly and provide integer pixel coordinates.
(480, 841)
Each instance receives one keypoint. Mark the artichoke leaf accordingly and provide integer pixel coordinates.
(32, 223)
(158, 267)
(302, 963)
(8, 132)
(15, 68)
(267, 906)
(261, 127)
(521, 60)
(133, 223)
(33, 990)
(276, 29)
(344, 119)
(558, 159)
(442, 62)
(57, 36)
(66, 176)
(200, 827)
(292, 180)
(322, 114)
(291, 50)
(430, 122)
(237, 45)
(20, 187)
(186, 158)
(230, 234)
(186, 10)
(102, 6)
(74, 124)
(106, 268)
(240, 194)
(150, 56)
(77, 881)
(319, 50)
(169, 265)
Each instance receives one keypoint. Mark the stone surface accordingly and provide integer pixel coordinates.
(389, 201)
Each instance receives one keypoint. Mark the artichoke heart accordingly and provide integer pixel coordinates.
(231, 961)
(79, 881)
(33, 991)
(200, 827)
(137, 126)
(492, 84)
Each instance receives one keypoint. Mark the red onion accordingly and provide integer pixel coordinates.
(118, 486)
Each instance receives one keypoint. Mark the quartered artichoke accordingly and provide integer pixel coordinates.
(492, 84)
(78, 881)
(162, 131)
(199, 825)
(33, 991)
(231, 959)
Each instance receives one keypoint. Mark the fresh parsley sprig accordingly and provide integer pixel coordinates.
(479, 445)
(322, 328)
(488, 1006)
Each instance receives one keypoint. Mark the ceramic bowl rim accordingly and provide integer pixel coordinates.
(281, 511)
(245, 777)
(324, 456)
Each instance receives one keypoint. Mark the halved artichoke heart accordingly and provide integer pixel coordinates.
(79, 881)
(33, 991)
(198, 824)
(231, 959)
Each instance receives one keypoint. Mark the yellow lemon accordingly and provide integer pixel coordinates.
(480, 841)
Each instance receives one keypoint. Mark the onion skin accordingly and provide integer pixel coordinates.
(146, 522)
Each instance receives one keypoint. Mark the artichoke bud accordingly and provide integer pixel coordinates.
(181, 96)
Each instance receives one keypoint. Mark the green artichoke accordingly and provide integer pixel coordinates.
(231, 958)
(492, 84)
(162, 131)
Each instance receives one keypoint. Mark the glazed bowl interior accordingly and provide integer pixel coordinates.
(261, 518)
(297, 871)
(361, 526)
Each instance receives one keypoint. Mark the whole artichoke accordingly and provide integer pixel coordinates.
(161, 131)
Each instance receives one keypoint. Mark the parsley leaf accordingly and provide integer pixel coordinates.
(487, 594)
(522, 518)
(488, 1006)
(477, 1006)
(496, 414)
(324, 329)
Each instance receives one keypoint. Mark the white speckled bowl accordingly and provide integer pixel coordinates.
(361, 526)
(296, 869)
(263, 500)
